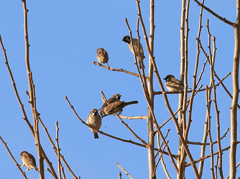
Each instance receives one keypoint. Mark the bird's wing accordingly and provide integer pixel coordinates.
(176, 82)
(105, 55)
(111, 107)
(135, 45)
(31, 159)
(109, 101)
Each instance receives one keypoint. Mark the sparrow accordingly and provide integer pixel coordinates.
(95, 121)
(114, 98)
(138, 51)
(173, 84)
(102, 56)
(28, 160)
(115, 107)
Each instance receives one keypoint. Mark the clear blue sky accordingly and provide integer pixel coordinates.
(64, 37)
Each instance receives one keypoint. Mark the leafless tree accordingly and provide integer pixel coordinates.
(157, 144)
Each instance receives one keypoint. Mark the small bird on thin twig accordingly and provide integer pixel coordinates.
(28, 160)
(94, 120)
(114, 98)
(115, 107)
(138, 49)
(102, 56)
(173, 84)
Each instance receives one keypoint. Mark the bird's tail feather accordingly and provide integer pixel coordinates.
(131, 102)
(141, 65)
(96, 136)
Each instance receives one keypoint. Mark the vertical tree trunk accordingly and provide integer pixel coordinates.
(151, 159)
(235, 79)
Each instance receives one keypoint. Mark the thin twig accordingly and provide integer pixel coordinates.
(209, 129)
(62, 168)
(9, 152)
(119, 70)
(216, 166)
(160, 157)
(124, 171)
(216, 108)
(162, 161)
(215, 74)
(55, 149)
(200, 143)
(58, 151)
(134, 117)
(120, 175)
(224, 87)
(160, 146)
(215, 14)
(204, 64)
(205, 157)
(51, 172)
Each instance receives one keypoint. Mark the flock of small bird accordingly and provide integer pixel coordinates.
(113, 104)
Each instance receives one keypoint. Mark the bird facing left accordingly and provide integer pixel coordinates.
(94, 120)
(137, 48)
(173, 84)
(28, 160)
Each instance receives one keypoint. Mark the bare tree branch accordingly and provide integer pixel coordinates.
(215, 14)
(133, 117)
(9, 152)
(55, 149)
(199, 143)
(32, 94)
(23, 109)
(58, 151)
(120, 70)
(124, 171)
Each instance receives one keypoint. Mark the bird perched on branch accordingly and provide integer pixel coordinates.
(94, 120)
(173, 84)
(102, 56)
(115, 107)
(28, 160)
(138, 49)
(114, 98)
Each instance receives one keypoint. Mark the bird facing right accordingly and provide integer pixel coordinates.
(102, 56)
(28, 160)
(95, 121)
(173, 84)
(114, 98)
(115, 107)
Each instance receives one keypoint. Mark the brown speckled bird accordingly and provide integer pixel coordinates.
(102, 56)
(114, 98)
(138, 51)
(173, 84)
(28, 160)
(115, 107)
(95, 121)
